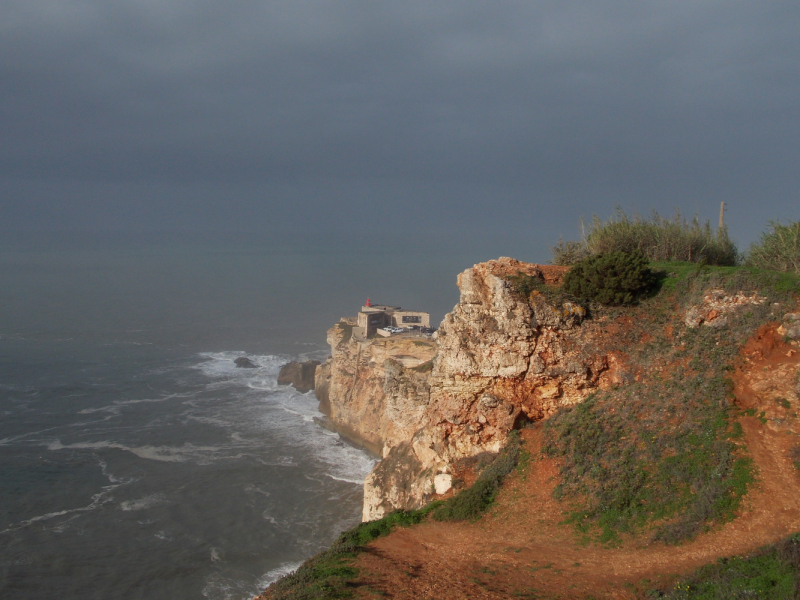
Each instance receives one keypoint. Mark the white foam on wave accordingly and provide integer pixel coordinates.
(343, 462)
(275, 574)
(98, 500)
(222, 587)
(143, 503)
(222, 364)
(114, 408)
(159, 453)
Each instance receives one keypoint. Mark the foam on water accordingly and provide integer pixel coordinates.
(160, 453)
(97, 500)
(344, 462)
(189, 422)
(143, 503)
(275, 574)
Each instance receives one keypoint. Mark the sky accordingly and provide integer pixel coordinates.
(464, 118)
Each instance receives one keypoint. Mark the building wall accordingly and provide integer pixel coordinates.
(372, 321)
(407, 318)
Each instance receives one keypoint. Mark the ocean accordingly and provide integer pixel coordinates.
(136, 459)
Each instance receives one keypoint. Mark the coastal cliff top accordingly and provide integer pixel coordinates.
(508, 267)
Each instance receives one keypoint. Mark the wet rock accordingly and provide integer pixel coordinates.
(298, 374)
(245, 363)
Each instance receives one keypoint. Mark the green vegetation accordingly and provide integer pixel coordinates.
(330, 574)
(659, 239)
(658, 453)
(794, 454)
(615, 278)
(778, 250)
(771, 573)
(470, 503)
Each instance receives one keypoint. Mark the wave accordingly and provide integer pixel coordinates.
(98, 500)
(114, 407)
(142, 503)
(159, 453)
(275, 574)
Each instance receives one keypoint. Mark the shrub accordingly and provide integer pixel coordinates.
(772, 572)
(327, 575)
(614, 278)
(659, 239)
(778, 250)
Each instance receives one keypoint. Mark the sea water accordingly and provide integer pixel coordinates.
(161, 475)
(136, 459)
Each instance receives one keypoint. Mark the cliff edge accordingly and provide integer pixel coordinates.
(429, 406)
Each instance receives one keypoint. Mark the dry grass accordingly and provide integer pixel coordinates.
(658, 238)
(777, 250)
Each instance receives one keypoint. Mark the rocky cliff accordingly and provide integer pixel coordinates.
(429, 407)
(375, 392)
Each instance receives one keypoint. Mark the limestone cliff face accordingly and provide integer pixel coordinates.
(374, 391)
(498, 358)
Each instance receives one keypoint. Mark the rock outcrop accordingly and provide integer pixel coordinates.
(502, 358)
(428, 406)
(716, 307)
(244, 363)
(301, 375)
(790, 327)
(374, 391)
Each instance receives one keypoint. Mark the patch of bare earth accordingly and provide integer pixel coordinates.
(520, 549)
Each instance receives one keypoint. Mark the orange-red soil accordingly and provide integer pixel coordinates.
(520, 550)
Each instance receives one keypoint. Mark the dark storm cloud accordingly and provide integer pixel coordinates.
(570, 101)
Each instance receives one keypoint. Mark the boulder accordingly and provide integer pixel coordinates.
(245, 363)
(298, 374)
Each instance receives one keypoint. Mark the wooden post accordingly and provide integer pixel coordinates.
(721, 215)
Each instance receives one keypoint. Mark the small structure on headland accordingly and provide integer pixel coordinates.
(384, 320)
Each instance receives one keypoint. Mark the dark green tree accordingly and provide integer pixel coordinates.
(614, 278)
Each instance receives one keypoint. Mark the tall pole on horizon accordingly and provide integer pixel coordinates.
(721, 215)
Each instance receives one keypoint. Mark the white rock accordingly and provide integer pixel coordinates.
(443, 482)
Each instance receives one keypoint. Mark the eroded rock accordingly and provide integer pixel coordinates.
(244, 363)
(300, 375)
(716, 307)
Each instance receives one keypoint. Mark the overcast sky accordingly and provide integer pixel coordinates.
(464, 116)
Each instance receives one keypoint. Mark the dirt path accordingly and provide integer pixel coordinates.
(519, 550)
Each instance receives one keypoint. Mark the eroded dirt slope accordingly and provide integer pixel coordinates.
(520, 549)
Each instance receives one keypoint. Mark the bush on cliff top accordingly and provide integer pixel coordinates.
(613, 279)
(658, 238)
